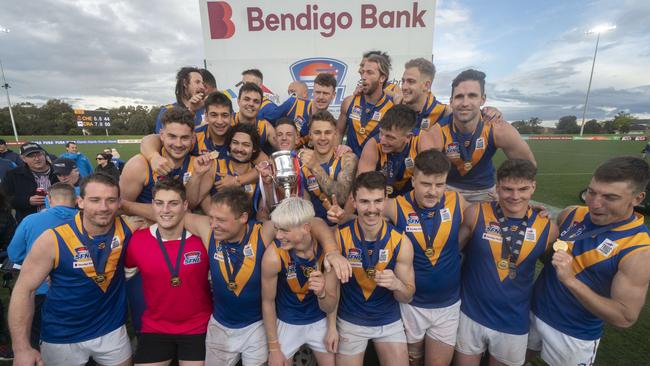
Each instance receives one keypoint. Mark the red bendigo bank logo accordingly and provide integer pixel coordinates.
(219, 16)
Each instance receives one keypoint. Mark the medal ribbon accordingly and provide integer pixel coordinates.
(370, 260)
(395, 168)
(428, 239)
(232, 271)
(99, 260)
(295, 260)
(172, 270)
(572, 233)
(511, 242)
(466, 151)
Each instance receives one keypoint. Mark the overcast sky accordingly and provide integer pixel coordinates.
(536, 54)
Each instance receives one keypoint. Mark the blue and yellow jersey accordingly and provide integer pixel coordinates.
(398, 167)
(392, 87)
(489, 295)
(224, 167)
(294, 302)
(595, 263)
(311, 186)
(363, 120)
(296, 109)
(442, 221)
(198, 116)
(265, 107)
(479, 173)
(432, 112)
(262, 128)
(362, 301)
(183, 173)
(204, 143)
(79, 308)
(245, 261)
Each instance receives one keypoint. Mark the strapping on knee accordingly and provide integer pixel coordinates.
(416, 357)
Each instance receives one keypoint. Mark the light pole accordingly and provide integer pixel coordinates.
(597, 30)
(6, 86)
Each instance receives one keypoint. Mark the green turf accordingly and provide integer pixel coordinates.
(565, 168)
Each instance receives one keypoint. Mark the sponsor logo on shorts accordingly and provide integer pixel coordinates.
(192, 257)
(306, 71)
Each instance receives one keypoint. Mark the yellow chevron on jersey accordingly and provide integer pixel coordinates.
(409, 161)
(74, 244)
(442, 235)
(434, 114)
(346, 241)
(452, 150)
(495, 238)
(294, 284)
(260, 123)
(356, 111)
(248, 264)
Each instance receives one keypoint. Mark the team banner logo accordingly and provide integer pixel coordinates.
(306, 71)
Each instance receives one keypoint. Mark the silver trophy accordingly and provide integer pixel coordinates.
(286, 173)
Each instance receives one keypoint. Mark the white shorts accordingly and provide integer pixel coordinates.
(439, 324)
(110, 349)
(225, 346)
(353, 339)
(478, 195)
(474, 339)
(558, 348)
(292, 336)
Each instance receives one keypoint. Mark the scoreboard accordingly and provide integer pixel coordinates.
(86, 118)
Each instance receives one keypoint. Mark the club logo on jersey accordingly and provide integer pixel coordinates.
(409, 163)
(445, 215)
(480, 143)
(192, 257)
(354, 257)
(413, 223)
(492, 232)
(453, 150)
(248, 250)
(82, 254)
(220, 20)
(606, 247)
(425, 124)
(291, 271)
(299, 121)
(306, 71)
(115, 242)
(312, 183)
(355, 113)
(383, 255)
(531, 234)
(376, 116)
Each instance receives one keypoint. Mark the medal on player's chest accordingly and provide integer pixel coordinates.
(175, 281)
(467, 165)
(232, 286)
(502, 264)
(429, 252)
(307, 270)
(99, 279)
(371, 272)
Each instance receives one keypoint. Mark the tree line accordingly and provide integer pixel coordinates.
(621, 123)
(56, 117)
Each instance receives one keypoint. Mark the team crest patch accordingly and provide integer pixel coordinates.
(376, 116)
(383, 255)
(409, 163)
(425, 124)
(291, 271)
(218, 255)
(192, 257)
(492, 232)
(115, 242)
(312, 183)
(82, 254)
(356, 112)
(445, 215)
(248, 250)
(531, 234)
(606, 247)
(453, 150)
(480, 143)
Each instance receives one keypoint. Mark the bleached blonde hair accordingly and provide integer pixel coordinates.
(292, 212)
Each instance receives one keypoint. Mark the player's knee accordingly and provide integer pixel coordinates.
(416, 355)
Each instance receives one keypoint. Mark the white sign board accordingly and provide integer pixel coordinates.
(296, 40)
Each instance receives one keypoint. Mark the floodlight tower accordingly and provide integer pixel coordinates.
(6, 87)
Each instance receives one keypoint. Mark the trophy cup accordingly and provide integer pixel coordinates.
(286, 173)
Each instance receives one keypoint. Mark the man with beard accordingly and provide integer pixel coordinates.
(299, 299)
(382, 265)
(393, 151)
(138, 178)
(249, 101)
(430, 217)
(503, 241)
(174, 267)
(299, 110)
(470, 142)
(600, 272)
(392, 86)
(189, 92)
(85, 311)
(360, 114)
(235, 245)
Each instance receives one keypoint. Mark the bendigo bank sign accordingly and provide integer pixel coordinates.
(272, 35)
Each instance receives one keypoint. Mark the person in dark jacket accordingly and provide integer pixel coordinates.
(26, 186)
(5, 166)
(5, 153)
(106, 166)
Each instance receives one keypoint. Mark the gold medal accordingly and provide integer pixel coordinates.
(362, 131)
(503, 264)
(429, 252)
(99, 279)
(468, 165)
(560, 245)
(371, 272)
(389, 189)
(101, 245)
(175, 281)
(232, 286)
(307, 270)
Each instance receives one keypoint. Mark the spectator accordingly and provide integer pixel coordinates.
(115, 158)
(66, 172)
(62, 198)
(5, 166)
(27, 185)
(83, 164)
(5, 153)
(106, 166)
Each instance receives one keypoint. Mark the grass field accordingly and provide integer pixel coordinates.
(565, 168)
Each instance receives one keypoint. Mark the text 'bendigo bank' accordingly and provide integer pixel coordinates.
(329, 22)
